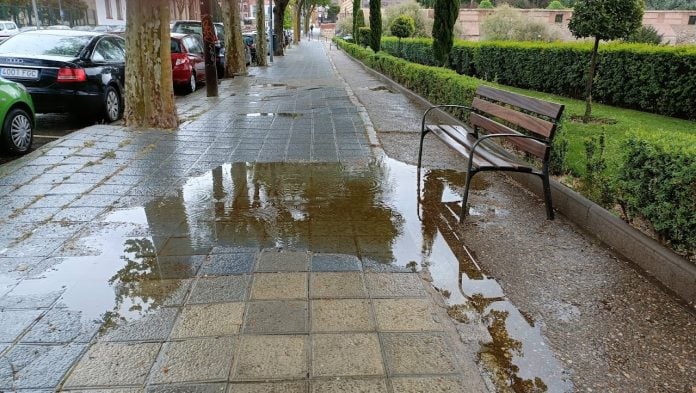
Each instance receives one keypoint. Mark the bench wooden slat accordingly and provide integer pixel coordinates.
(531, 146)
(462, 142)
(535, 105)
(533, 124)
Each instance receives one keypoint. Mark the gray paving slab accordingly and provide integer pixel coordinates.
(114, 364)
(37, 367)
(206, 360)
(271, 261)
(228, 264)
(220, 289)
(335, 263)
(276, 317)
(62, 325)
(13, 322)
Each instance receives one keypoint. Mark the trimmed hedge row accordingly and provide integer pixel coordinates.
(650, 78)
(658, 182)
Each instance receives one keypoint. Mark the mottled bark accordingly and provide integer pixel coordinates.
(149, 90)
(235, 61)
(261, 48)
(192, 9)
(278, 19)
(297, 20)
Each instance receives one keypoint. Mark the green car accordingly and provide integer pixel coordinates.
(16, 118)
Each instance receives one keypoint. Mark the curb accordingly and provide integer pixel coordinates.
(670, 269)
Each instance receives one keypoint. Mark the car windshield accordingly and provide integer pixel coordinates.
(189, 28)
(45, 44)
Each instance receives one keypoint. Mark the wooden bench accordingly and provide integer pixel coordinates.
(515, 122)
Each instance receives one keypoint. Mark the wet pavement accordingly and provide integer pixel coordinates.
(270, 245)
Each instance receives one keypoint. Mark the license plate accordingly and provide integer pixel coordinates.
(19, 73)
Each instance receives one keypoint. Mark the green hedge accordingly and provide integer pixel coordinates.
(650, 78)
(658, 182)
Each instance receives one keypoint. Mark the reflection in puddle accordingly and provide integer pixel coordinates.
(278, 114)
(136, 262)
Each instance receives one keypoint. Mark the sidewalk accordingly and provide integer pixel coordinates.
(253, 250)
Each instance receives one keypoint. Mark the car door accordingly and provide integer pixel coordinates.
(194, 46)
(109, 62)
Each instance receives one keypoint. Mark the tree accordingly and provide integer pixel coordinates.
(376, 24)
(645, 35)
(402, 27)
(149, 89)
(357, 9)
(423, 26)
(603, 20)
(278, 20)
(235, 59)
(555, 5)
(486, 4)
(446, 13)
(261, 48)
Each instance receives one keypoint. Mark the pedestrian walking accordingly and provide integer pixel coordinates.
(311, 30)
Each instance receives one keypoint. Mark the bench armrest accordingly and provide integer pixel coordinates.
(439, 107)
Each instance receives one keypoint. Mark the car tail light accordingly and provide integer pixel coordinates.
(71, 75)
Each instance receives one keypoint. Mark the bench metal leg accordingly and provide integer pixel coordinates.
(465, 210)
(547, 196)
(420, 149)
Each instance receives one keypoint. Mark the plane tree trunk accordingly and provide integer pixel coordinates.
(278, 19)
(235, 60)
(261, 47)
(149, 91)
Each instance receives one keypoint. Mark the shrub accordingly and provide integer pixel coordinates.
(364, 36)
(486, 4)
(658, 79)
(508, 24)
(645, 35)
(423, 26)
(555, 5)
(658, 182)
(402, 27)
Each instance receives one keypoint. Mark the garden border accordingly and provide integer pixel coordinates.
(670, 269)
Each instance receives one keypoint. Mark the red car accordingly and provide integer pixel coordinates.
(188, 63)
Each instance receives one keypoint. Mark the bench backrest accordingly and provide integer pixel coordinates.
(503, 112)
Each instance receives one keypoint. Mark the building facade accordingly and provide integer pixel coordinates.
(109, 12)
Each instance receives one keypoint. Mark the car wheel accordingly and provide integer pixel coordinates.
(113, 110)
(192, 85)
(17, 132)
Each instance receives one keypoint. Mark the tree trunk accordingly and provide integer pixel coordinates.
(590, 79)
(261, 48)
(296, 23)
(235, 59)
(149, 89)
(192, 9)
(278, 19)
(375, 25)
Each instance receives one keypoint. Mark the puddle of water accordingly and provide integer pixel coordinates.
(270, 85)
(269, 114)
(134, 261)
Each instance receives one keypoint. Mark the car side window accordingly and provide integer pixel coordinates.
(193, 45)
(108, 50)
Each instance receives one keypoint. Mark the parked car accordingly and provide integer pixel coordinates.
(83, 28)
(58, 27)
(188, 63)
(16, 117)
(79, 72)
(195, 27)
(7, 29)
(28, 28)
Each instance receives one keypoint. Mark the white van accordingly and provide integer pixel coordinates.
(7, 29)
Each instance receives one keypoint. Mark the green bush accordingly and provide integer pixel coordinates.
(645, 35)
(508, 24)
(658, 182)
(555, 5)
(486, 4)
(403, 26)
(658, 79)
(365, 34)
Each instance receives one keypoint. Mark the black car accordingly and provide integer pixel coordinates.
(196, 27)
(79, 72)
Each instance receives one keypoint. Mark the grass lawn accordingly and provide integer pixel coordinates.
(623, 119)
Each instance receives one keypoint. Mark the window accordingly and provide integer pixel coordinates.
(692, 19)
(119, 11)
(107, 5)
(559, 18)
(108, 50)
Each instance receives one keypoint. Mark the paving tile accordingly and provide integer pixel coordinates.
(114, 364)
(207, 320)
(154, 326)
(165, 292)
(61, 325)
(289, 261)
(383, 285)
(346, 354)
(206, 359)
(187, 388)
(29, 298)
(276, 317)
(418, 353)
(335, 263)
(184, 246)
(271, 357)
(406, 315)
(270, 286)
(37, 367)
(336, 285)
(430, 384)
(13, 322)
(178, 267)
(346, 385)
(341, 315)
(263, 387)
(220, 289)
(228, 264)
(117, 390)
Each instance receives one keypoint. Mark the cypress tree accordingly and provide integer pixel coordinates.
(446, 13)
(356, 11)
(376, 24)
